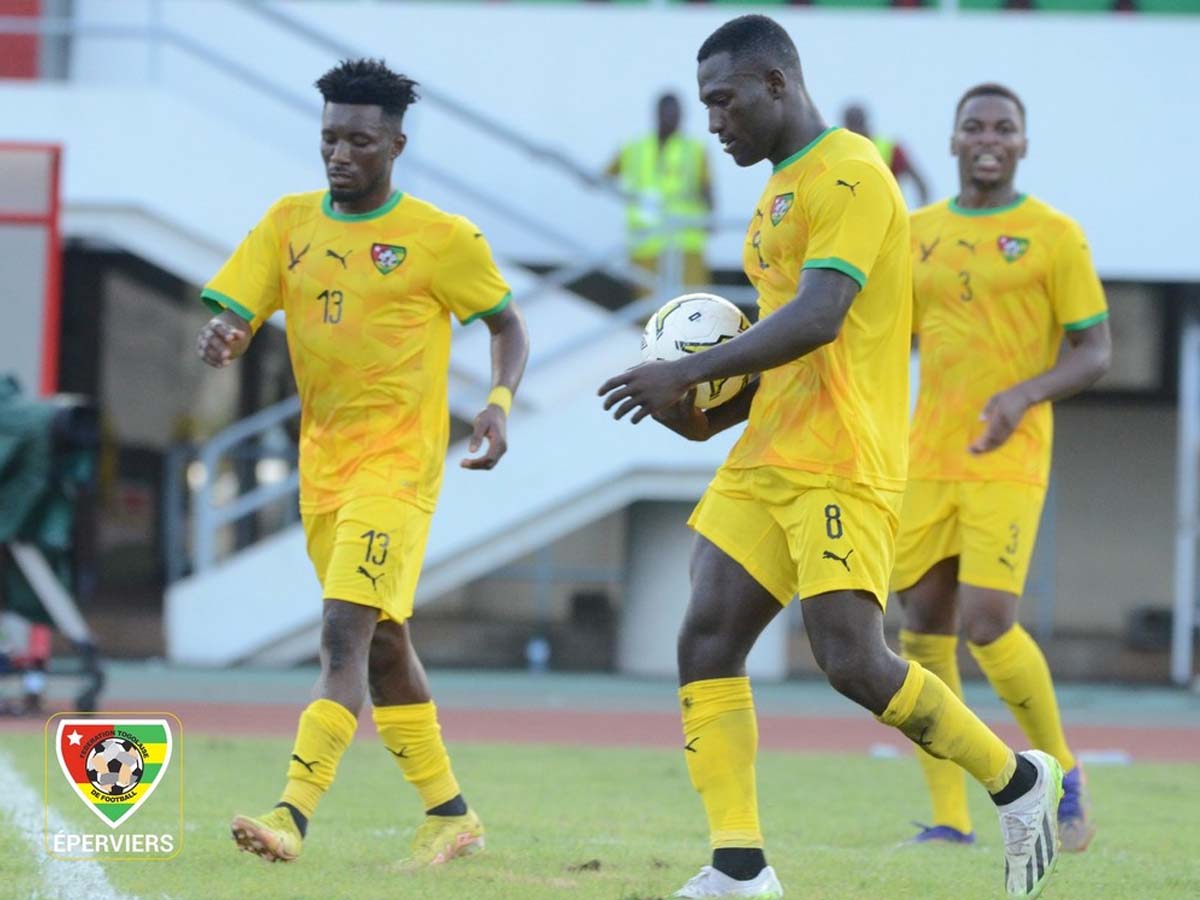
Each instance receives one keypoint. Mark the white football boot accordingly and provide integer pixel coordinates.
(711, 883)
(1030, 828)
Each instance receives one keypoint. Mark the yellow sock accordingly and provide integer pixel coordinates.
(412, 735)
(326, 729)
(720, 742)
(1015, 666)
(947, 784)
(931, 716)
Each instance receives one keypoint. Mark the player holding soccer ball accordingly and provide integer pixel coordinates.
(1001, 280)
(808, 501)
(368, 278)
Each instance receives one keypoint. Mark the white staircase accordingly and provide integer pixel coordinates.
(566, 466)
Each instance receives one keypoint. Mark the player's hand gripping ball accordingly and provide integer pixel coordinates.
(691, 324)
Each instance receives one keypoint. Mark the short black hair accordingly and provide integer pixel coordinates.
(990, 89)
(753, 35)
(368, 82)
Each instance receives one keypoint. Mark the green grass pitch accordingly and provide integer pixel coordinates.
(620, 825)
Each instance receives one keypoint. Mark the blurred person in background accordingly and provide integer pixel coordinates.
(1009, 315)
(368, 278)
(665, 177)
(895, 155)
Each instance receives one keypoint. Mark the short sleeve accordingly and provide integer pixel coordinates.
(467, 281)
(851, 208)
(249, 282)
(1075, 288)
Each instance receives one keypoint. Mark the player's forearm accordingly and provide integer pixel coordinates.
(1077, 369)
(510, 352)
(810, 321)
(732, 413)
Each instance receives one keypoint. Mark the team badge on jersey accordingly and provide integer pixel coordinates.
(1012, 248)
(780, 206)
(387, 256)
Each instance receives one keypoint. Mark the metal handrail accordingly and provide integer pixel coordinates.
(230, 66)
(493, 126)
(207, 517)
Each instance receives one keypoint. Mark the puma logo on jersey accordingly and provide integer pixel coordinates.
(846, 184)
(341, 259)
(296, 257)
(370, 577)
(926, 252)
(844, 560)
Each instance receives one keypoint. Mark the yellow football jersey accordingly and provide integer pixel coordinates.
(842, 409)
(367, 300)
(994, 290)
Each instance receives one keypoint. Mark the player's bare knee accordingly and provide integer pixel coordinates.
(985, 626)
(925, 615)
(346, 632)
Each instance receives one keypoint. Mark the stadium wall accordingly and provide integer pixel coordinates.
(1105, 96)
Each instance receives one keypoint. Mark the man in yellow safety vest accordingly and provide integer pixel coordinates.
(665, 177)
(895, 156)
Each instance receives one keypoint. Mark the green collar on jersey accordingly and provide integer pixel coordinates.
(327, 208)
(987, 210)
(799, 153)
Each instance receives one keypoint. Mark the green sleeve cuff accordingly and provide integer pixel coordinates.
(218, 303)
(840, 265)
(499, 307)
(1086, 323)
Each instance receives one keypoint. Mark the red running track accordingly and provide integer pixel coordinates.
(820, 734)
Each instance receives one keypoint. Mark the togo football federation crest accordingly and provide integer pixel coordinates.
(114, 765)
(1012, 248)
(387, 256)
(780, 206)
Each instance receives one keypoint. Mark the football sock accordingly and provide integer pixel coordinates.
(1023, 779)
(720, 743)
(928, 714)
(456, 806)
(1017, 670)
(412, 735)
(936, 653)
(326, 729)
(742, 863)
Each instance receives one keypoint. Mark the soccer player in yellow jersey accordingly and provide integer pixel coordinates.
(368, 278)
(809, 500)
(1001, 280)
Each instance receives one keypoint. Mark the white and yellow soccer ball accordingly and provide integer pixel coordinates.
(693, 323)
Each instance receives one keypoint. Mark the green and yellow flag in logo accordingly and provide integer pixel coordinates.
(114, 765)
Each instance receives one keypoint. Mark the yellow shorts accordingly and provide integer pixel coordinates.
(369, 552)
(990, 526)
(799, 533)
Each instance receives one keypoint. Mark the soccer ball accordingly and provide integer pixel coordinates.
(691, 324)
(115, 766)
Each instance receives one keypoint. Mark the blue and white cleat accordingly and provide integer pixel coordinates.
(1075, 828)
(940, 834)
